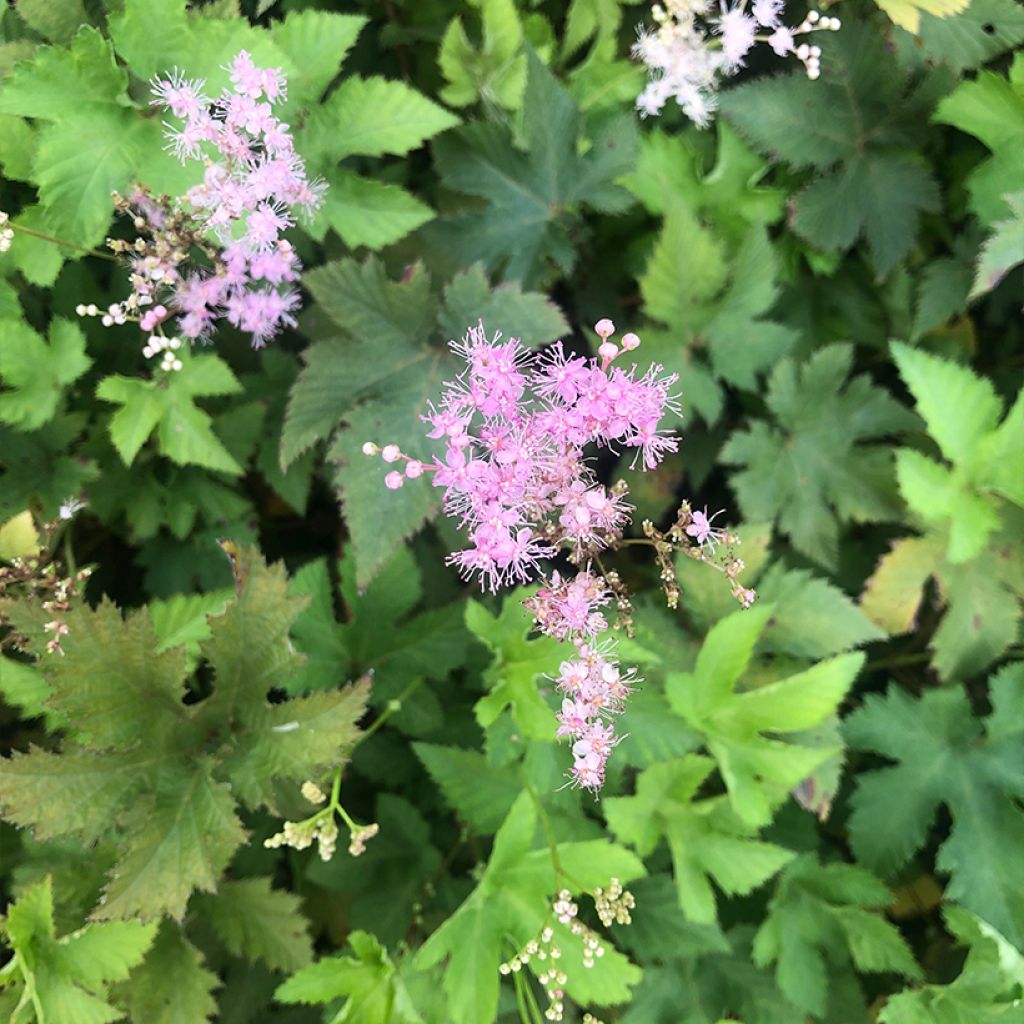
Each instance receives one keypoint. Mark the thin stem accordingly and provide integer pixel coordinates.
(391, 707)
(62, 241)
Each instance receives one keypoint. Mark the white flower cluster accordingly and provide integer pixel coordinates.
(168, 346)
(693, 47)
(6, 233)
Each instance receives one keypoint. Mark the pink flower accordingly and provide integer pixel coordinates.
(701, 529)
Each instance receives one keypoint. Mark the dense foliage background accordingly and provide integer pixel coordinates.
(818, 805)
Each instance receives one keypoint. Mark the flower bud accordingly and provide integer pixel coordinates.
(605, 328)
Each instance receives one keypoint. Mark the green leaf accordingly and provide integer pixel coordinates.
(1002, 250)
(56, 21)
(808, 470)
(984, 991)
(368, 212)
(317, 43)
(372, 989)
(811, 618)
(758, 771)
(66, 980)
(953, 763)
(37, 372)
(494, 72)
(511, 902)
(258, 922)
(859, 137)
(80, 162)
(529, 316)
(939, 386)
(800, 935)
(480, 794)
(986, 29)
(182, 839)
(516, 665)
(110, 683)
(370, 117)
(167, 405)
(87, 71)
(530, 197)
(295, 741)
(707, 840)
(171, 986)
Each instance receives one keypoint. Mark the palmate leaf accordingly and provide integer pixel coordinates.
(972, 768)
(167, 406)
(510, 902)
(706, 838)
(870, 182)
(758, 771)
(66, 980)
(530, 196)
(181, 837)
(809, 470)
(494, 71)
(165, 773)
(350, 393)
(820, 915)
(982, 597)
(36, 372)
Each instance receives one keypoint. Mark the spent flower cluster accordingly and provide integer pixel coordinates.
(217, 252)
(696, 43)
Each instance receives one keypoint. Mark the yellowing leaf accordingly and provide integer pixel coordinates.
(907, 13)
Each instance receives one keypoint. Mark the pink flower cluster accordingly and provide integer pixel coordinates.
(252, 182)
(515, 427)
(592, 682)
(515, 476)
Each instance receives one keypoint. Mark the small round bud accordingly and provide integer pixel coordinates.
(605, 328)
(813, 16)
(413, 469)
(370, 449)
(393, 480)
(391, 453)
(80, 309)
(608, 350)
(107, 321)
(630, 341)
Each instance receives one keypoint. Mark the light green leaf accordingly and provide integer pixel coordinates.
(87, 71)
(166, 405)
(368, 212)
(317, 43)
(66, 980)
(37, 372)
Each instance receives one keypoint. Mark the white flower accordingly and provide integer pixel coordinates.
(781, 41)
(766, 12)
(738, 31)
(70, 507)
